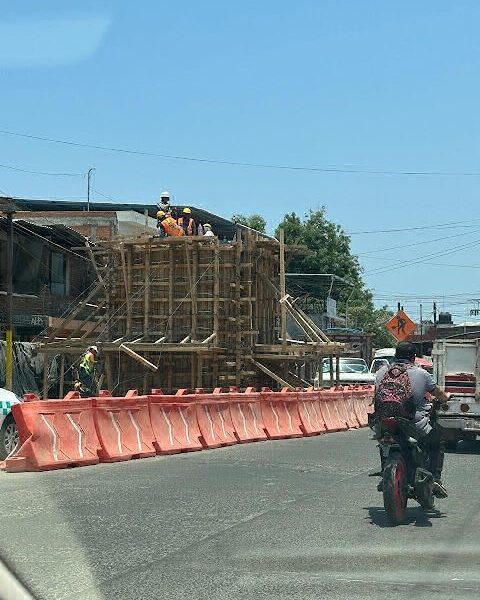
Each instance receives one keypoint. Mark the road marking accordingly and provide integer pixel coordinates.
(79, 431)
(117, 429)
(137, 429)
(169, 425)
(54, 437)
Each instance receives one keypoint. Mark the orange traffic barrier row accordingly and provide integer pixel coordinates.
(57, 434)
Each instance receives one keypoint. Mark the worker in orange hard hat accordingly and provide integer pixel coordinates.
(186, 222)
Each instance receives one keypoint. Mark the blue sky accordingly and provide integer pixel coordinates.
(369, 85)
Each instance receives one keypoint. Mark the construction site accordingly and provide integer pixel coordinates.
(188, 312)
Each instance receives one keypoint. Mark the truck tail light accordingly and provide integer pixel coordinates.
(464, 407)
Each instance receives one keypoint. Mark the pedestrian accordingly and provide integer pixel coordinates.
(208, 230)
(186, 222)
(85, 383)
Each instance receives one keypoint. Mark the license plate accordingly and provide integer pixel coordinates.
(473, 424)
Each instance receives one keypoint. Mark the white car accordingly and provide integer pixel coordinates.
(8, 427)
(352, 371)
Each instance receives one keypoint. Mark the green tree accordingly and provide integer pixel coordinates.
(326, 249)
(255, 221)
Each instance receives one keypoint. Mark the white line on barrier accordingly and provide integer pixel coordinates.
(220, 414)
(319, 426)
(276, 418)
(169, 425)
(243, 417)
(117, 429)
(137, 429)
(289, 417)
(54, 437)
(80, 433)
(308, 414)
(187, 433)
(254, 417)
(207, 412)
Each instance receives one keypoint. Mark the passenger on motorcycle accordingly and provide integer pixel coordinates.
(400, 390)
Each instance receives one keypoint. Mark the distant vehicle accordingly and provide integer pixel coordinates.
(8, 427)
(456, 369)
(385, 356)
(352, 371)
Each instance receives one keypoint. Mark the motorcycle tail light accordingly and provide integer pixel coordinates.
(389, 423)
(464, 407)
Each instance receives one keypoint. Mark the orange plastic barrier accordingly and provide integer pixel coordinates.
(280, 414)
(357, 401)
(123, 428)
(214, 420)
(343, 409)
(54, 434)
(246, 415)
(174, 424)
(349, 399)
(328, 406)
(310, 412)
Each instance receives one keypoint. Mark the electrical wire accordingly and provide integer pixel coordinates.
(450, 225)
(240, 163)
(21, 170)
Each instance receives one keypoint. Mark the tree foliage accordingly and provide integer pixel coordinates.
(254, 221)
(327, 250)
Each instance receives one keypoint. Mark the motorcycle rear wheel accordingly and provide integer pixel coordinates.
(395, 489)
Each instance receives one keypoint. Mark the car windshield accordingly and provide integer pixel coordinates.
(347, 365)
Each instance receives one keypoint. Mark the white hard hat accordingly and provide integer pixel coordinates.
(94, 348)
(164, 195)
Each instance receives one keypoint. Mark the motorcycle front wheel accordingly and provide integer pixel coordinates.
(395, 489)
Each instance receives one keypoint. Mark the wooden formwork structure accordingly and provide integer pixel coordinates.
(191, 312)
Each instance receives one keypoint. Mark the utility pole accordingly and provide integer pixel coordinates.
(9, 210)
(89, 177)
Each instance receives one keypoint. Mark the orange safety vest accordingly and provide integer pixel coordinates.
(189, 228)
(171, 227)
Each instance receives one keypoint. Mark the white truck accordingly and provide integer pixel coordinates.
(456, 368)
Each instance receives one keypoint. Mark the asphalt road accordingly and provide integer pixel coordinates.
(286, 519)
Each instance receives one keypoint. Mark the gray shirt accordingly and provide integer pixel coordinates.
(421, 382)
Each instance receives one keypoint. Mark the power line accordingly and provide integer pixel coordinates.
(451, 225)
(241, 163)
(21, 170)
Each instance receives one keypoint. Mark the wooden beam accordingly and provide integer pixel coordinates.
(209, 338)
(94, 262)
(138, 358)
(146, 285)
(271, 374)
(283, 308)
(160, 340)
(62, 376)
(185, 340)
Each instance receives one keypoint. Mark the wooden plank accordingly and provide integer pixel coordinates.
(143, 361)
(94, 262)
(171, 260)
(146, 285)
(62, 376)
(45, 377)
(283, 308)
(271, 374)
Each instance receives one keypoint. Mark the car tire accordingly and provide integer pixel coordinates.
(8, 436)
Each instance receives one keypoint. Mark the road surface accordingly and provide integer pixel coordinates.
(285, 519)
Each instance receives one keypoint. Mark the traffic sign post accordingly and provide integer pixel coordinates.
(401, 326)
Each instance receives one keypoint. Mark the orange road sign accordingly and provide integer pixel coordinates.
(400, 326)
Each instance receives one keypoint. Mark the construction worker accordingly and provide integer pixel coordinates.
(186, 222)
(167, 225)
(208, 230)
(164, 203)
(85, 383)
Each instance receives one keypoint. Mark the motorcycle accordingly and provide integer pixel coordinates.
(405, 463)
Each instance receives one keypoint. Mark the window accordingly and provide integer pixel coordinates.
(58, 274)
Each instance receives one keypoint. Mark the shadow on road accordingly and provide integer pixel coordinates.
(415, 515)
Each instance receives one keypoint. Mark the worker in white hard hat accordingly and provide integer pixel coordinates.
(164, 203)
(85, 382)
(207, 229)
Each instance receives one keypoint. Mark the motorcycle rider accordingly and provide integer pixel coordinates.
(421, 383)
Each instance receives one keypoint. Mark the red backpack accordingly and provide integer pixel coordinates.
(393, 396)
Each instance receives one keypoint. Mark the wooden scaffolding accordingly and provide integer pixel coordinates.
(191, 312)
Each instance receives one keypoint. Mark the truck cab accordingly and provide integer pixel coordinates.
(456, 369)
